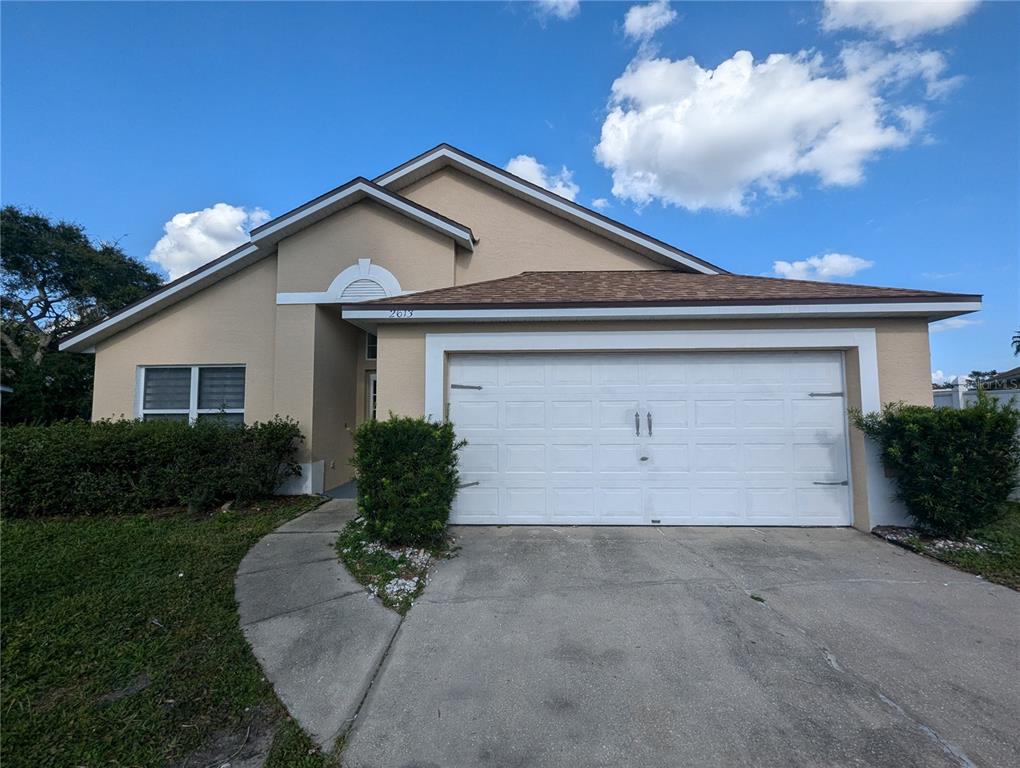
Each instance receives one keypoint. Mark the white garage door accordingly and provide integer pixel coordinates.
(651, 438)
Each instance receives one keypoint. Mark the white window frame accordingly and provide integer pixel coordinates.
(369, 335)
(371, 398)
(192, 411)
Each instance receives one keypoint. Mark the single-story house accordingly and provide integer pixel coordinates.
(600, 375)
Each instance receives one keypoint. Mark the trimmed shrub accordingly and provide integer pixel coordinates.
(954, 469)
(407, 477)
(115, 467)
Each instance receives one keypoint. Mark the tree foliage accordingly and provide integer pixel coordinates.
(54, 280)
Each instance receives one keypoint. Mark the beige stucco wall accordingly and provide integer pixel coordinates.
(902, 350)
(515, 236)
(335, 405)
(418, 257)
(232, 321)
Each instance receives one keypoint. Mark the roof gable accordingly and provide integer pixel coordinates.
(445, 155)
(262, 242)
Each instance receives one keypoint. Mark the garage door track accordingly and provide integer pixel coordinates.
(542, 646)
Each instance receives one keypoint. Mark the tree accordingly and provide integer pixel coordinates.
(55, 280)
(1016, 343)
(980, 377)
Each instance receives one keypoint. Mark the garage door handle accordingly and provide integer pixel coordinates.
(637, 423)
(841, 482)
(825, 394)
(649, 423)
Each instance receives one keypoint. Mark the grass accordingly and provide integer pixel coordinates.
(120, 641)
(376, 566)
(999, 561)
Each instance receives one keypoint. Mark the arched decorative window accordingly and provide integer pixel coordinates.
(364, 281)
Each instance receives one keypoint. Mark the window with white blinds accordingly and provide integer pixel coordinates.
(192, 392)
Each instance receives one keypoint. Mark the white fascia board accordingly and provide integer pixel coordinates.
(155, 299)
(358, 190)
(922, 309)
(547, 199)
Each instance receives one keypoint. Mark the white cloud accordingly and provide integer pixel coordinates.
(829, 266)
(194, 238)
(600, 204)
(529, 169)
(643, 21)
(940, 378)
(561, 9)
(952, 324)
(939, 275)
(897, 20)
(717, 138)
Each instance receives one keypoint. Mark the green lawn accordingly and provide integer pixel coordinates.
(121, 644)
(998, 562)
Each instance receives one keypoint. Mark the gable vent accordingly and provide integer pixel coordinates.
(363, 290)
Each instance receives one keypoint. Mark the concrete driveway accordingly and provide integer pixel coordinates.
(695, 647)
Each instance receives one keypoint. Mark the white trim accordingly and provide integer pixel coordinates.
(371, 400)
(926, 309)
(155, 298)
(882, 509)
(364, 269)
(389, 199)
(507, 180)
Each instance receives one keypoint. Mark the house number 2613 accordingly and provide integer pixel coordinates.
(402, 314)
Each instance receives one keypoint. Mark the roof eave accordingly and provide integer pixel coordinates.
(402, 313)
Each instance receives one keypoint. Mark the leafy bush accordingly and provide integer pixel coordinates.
(115, 467)
(954, 469)
(407, 478)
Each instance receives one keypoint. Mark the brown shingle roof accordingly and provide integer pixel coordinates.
(652, 288)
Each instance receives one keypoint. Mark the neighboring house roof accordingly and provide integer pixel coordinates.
(620, 288)
(445, 155)
(575, 294)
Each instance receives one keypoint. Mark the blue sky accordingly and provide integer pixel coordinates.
(889, 139)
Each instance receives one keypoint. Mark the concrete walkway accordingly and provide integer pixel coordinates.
(313, 628)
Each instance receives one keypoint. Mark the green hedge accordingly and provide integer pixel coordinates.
(407, 477)
(115, 467)
(954, 469)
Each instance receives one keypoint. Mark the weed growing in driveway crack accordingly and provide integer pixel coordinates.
(396, 575)
(758, 598)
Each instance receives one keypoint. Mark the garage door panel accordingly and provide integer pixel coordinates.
(479, 457)
(619, 458)
(524, 414)
(766, 457)
(764, 413)
(524, 373)
(668, 457)
(573, 503)
(737, 438)
(525, 457)
(571, 458)
(666, 414)
(572, 414)
(622, 506)
(815, 458)
(716, 457)
(715, 413)
(617, 414)
(816, 412)
(475, 415)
